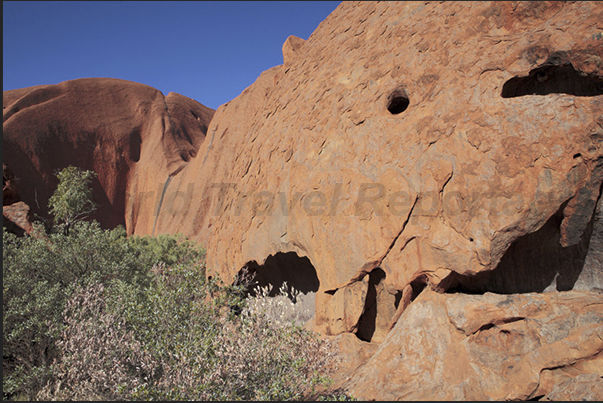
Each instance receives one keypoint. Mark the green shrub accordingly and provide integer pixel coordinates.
(73, 200)
(91, 314)
(100, 359)
(167, 249)
(39, 274)
(180, 339)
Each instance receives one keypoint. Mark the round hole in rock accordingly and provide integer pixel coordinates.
(397, 102)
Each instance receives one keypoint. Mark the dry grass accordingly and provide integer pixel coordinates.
(288, 306)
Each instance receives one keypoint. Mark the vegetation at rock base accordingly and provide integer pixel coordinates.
(72, 201)
(92, 314)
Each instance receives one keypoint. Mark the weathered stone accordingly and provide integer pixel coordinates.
(291, 46)
(489, 347)
(431, 140)
(129, 133)
(591, 277)
(16, 218)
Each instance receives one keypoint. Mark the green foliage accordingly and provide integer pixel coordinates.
(39, 274)
(151, 331)
(73, 198)
(91, 314)
(167, 249)
(179, 339)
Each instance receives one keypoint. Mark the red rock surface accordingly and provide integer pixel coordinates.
(310, 159)
(16, 217)
(130, 134)
(489, 347)
(405, 146)
(404, 149)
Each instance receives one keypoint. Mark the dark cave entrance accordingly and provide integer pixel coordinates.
(297, 272)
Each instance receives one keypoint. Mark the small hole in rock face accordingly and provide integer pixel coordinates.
(397, 102)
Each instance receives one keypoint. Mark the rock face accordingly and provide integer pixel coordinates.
(490, 347)
(455, 145)
(15, 213)
(413, 147)
(129, 133)
(431, 171)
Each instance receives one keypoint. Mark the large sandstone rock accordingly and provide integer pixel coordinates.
(454, 144)
(405, 156)
(132, 135)
(490, 347)
(16, 216)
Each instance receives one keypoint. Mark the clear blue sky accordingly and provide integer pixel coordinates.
(206, 50)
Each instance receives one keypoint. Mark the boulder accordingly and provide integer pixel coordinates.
(16, 217)
(132, 135)
(489, 347)
(453, 145)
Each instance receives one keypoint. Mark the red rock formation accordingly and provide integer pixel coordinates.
(489, 347)
(405, 146)
(423, 139)
(16, 218)
(130, 134)
(15, 214)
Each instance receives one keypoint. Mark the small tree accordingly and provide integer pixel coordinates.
(72, 201)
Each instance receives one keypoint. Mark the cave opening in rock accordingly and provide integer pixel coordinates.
(397, 102)
(554, 79)
(298, 272)
(382, 304)
(537, 262)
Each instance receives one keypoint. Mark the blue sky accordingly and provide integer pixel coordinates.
(206, 50)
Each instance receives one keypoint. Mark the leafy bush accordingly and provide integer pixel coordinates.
(72, 200)
(99, 357)
(180, 339)
(91, 314)
(41, 273)
(167, 249)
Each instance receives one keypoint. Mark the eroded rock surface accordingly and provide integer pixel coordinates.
(404, 148)
(490, 347)
(132, 135)
(16, 216)
(431, 141)
(412, 146)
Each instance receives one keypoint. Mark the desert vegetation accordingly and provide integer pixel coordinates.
(92, 314)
